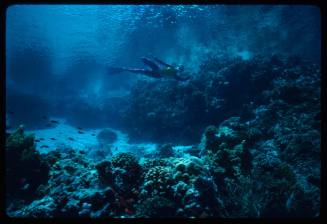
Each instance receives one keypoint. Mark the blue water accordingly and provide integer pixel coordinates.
(65, 47)
(59, 85)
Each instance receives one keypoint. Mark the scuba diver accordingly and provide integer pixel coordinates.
(158, 69)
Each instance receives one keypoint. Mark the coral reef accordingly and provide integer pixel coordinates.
(156, 207)
(164, 111)
(157, 181)
(129, 165)
(26, 169)
(105, 171)
(257, 126)
(73, 190)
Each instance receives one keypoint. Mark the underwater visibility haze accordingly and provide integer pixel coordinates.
(143, 111)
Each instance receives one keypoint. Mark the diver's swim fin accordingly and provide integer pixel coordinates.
(115, 70)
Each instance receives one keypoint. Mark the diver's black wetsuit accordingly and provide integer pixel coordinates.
(156, 71)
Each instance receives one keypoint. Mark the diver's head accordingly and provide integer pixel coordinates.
(180, 68)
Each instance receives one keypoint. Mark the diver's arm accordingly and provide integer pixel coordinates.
(161, 62)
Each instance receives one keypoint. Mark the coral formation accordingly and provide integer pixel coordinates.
(105, 171)
(26, 169)
(258, 155)
(156, 207)
(157, 181)
(128, 163)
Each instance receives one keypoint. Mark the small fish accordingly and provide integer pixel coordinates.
(70, 138)
(53, 139)
(36, 140)
(54, 122)
(80, 132)
(79, 128)
(41, 139)
(10, 112)
(45, 117)
(25, 187)
(44, 146)
(48, 125)
(93, 134)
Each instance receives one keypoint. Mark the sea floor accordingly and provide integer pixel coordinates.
(63, 135)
